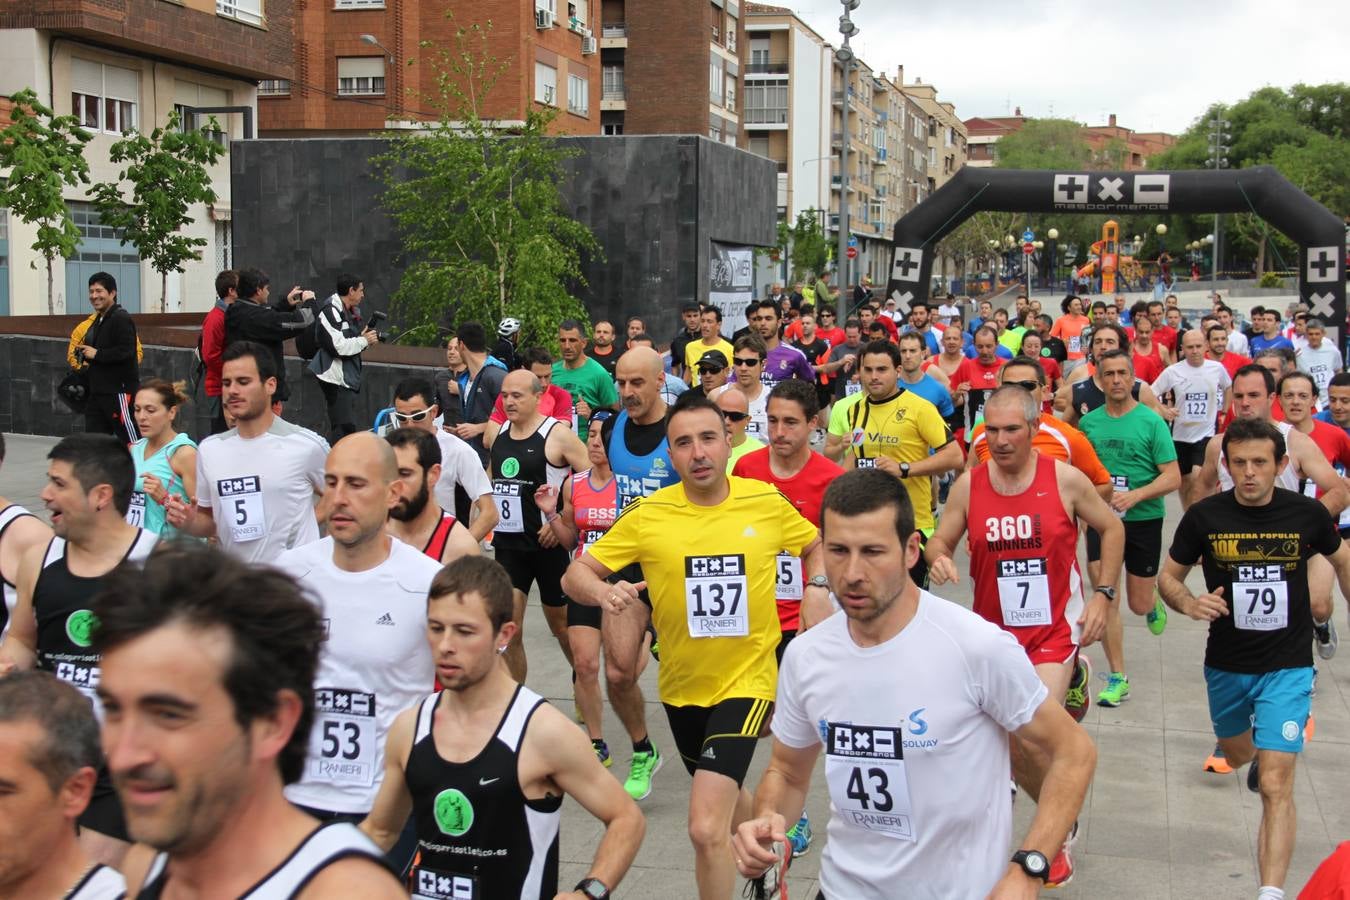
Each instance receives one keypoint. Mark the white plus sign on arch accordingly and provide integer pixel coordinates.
(1322, 264)
(906, 264)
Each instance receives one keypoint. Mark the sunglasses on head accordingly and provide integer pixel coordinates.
(746, 361)
(1029, 385)
(415, 417)
(735, 416)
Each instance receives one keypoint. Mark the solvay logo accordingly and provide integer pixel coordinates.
(917, 725)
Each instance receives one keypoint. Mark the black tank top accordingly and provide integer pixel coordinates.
(325, 845)
(478, 836)
(519, 468)
(1087, 396)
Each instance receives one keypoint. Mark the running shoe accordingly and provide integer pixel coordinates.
(1157, 616)
(773, 883)
(1327, 639)
(602, 752)
(799, 836)
(1061, 867)
(1254, 776)
(640, 772)
(1117, 690)
(1218, 763)
(1076, 698)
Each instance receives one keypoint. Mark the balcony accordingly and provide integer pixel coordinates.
(767, 67)
(836, 139)
(614, 36)
(613, 96)
(881, 190)
(766, 115)
(880, 159)
(834, 184)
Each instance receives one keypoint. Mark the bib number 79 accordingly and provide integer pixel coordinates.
(1264, 596)
(873, 796)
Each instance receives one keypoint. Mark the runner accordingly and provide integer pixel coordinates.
(415, 519)
(1069, 328)
(977, 378)
(1337, 410)
(712, 595)
(914, 378)
(1202, 389)
(1139, 452)
(256, 483)
(1319, 357)
(483, 765)
(710, 338)
(87, 495)
(555, 403)
(20, 532)
(1082, 391)
(533, 450)
(166, 460)
(749, 365)
(1254, 543)
(1033, 347)
(602, 348)
(589, 383)
(49, 759)
(713, 370)
(208, 674)
(1149, 357)
(1023, 509)
(689, 314)
(781, 361)
(842, 363)
(897, 665)
(736, 412)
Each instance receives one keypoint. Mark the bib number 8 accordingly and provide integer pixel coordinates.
(334, 743)
(873, 796)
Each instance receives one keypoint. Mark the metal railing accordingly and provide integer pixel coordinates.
(772, 67)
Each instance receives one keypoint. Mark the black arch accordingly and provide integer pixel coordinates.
(1319, 233)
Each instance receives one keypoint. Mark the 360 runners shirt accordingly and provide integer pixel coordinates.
(1258, 555)
(1132, 446)
(711, 572)
(1199, 392)
(923, 720)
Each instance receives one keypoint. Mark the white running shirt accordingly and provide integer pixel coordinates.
(99, 883)
(459, 465)
(1199, 392)
(1321, 364)
(374, 664)
(261, 490)
(950, 687)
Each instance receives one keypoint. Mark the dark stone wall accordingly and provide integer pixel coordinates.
(32, 367)
(306, 210)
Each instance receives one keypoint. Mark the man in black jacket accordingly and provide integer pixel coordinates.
(110, 350)
(250, 319)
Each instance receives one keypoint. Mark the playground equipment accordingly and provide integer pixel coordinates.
(1108, 260)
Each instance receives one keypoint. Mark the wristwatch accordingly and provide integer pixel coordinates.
(596, 890)
(904, 470)
(1106, 591)
(819, 581)
(1034, 863)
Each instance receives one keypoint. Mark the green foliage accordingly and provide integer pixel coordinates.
(44, 154)
(1270, 280)
(479, 211)
(167, 172)
(1045, 144)
(803, 244)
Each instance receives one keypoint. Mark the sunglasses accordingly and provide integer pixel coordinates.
(415, 417)
(735, 416)
(743, 361)
(710, 370)
(1029, 385)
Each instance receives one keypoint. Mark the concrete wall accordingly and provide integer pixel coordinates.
(305, 211)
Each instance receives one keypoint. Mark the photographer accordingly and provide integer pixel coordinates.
(250, 319)
(337, 363)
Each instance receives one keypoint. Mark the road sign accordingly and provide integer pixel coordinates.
(1028, 248)
(1028, 236)
(852, 252)
(853, 240)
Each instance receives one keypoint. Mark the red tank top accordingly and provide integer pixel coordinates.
(1023, 550)
(440, 534)
(593, 509)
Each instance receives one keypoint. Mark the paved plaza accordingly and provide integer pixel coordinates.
(1153, 825)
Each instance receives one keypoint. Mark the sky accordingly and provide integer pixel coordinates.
(1157, 68)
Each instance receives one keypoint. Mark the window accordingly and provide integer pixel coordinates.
(932, 156)
(715, 78)
(277, 87)
(948, 136)
(358, 4)
(545, 84)
(759, 51)
(874, 213)
(613, 129)
(759, 146)
(766, 102)
(360, 75)
(104, 98)
(611, 87)
(731, 94)
(578, 95)
(249, 11)
(188, 95)
(731, 34)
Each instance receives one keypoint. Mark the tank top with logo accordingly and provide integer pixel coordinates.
(519, 467)
(145, 512)
(638, 476)
(593, 509)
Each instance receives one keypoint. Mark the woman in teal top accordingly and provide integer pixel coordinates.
(166, 461)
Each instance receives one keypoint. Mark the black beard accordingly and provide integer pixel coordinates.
(413, 506)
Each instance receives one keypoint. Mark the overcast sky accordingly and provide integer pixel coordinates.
(1157, 67)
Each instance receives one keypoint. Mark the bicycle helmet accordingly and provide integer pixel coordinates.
(508, 327)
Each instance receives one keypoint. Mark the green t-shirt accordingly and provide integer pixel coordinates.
(1012, 339)
(749, 445)
(838, 425)
(589, 382)
(1131, 447)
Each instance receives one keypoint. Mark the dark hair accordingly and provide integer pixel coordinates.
(1117, 354)
(1298, 373)
(1066, 302)
(803, 393)
(691, 306)
(917, 304)
(692, 401)
(712, 309)
(1121, 334)
(409, 388)
(986, 329)
(631, 319)
(346, 282)
(1098, 304)
(171, 395)
(474, 337)
(751, 341)
(536, 356)
(428, 448)
(1284, 354)
(823, 309)
(1223, 307)
(1213, 328)
(1025, 362)
(1254, 369)
(275, 630)
(861, 491)
(108, 282)
(912, 336)
(642, 337)
(225, 282)
(1044, 317)
(886, 348)
(1340, 379)
(70, 738)
(1259, 311)
(1137, 309)
(99, 459)
(262, 357)
(1157, 303)
(852, 322)
(1253, 430)
(477, 575)
(251, 281)
(1032, 333)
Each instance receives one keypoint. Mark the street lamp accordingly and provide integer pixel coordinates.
(1053, 254)
(845, 57)
(1161, 229)
(389, 75)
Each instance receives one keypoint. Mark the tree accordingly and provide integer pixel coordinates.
(168, 173)
(479, 210)
(44, 154)
(1045, 144)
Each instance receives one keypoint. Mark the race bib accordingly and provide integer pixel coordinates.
(789, 576)
(428, 884)
(136, 511)
(754, 428)
(866, 462)
(1075, 342)
(241, 501)
(343, 742)
(1024, 592)
(84, 678)
(1195, 407)
(1260, 598)
(1119, 485)
(511, 518)
(852, 387)
(865, 771)
(717, 596)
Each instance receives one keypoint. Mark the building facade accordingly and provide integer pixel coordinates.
(119, 66)
(1113, 146)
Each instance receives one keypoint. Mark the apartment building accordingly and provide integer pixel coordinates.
(124, 65)
(363, 66)
(947, 136)
(1113, 146)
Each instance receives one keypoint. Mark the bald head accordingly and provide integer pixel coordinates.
(733, 399)
(521, 391)
(523, 380)
(640, 374)
(365, 451)
(640, 360)
(361, 485)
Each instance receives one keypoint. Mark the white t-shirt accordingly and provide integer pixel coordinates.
(459, 465)
(1237, 343)
(374, 664)
(757, 426)
(948, 688)
(945, 311)
(1321, 364)
(1199, 397)
(261, 490)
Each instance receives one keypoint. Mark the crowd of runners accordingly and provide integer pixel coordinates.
(262, 665)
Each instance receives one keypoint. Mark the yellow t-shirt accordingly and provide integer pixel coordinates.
(905, 428)
(711, 571)
(695, 349)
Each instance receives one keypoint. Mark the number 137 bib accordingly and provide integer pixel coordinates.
(717, 596)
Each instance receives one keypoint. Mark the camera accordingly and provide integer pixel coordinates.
(374, 325)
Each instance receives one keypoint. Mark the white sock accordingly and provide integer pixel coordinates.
(1270, 893)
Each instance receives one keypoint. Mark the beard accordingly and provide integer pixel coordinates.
(410, 508)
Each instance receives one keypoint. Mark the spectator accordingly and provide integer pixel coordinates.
(479, 387)
(109, 348)
(603, 349)
(824, 293)
(213, 344)
(508, 339)
(635, 326)
(341, 341)
(447, 383)
(271, 326)
(689, 332)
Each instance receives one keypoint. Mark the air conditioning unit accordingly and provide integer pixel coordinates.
(588, 45)
(543, 18)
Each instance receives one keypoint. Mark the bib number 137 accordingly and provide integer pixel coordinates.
(716, 596)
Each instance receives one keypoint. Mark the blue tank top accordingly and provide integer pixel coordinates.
(638, 476)
(150, 513)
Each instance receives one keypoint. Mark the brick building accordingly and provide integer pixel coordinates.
(1113, 146)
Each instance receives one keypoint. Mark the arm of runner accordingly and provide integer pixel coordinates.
(1084, 458)
(556, 508)
(353, 877)
(816, 606)
(461, 542)
(951, 526)
(19, 649)
(1205, 607)
(190, 518)
(945, 459)
(485, 518)
(393, 804)
(490, 433)
(1314, 465)
(779, 799)
(584, 582)
(1207, 479)
(1063, 402)
(1168, 480)
(1089, 507)
(1340, 561)
(1150, 399)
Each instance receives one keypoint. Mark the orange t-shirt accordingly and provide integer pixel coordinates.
(1069, 329)
(1058, 440)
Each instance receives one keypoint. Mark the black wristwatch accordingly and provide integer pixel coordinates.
(1106, 591)
(596, 890)
(1034, 863)
(904, 470)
